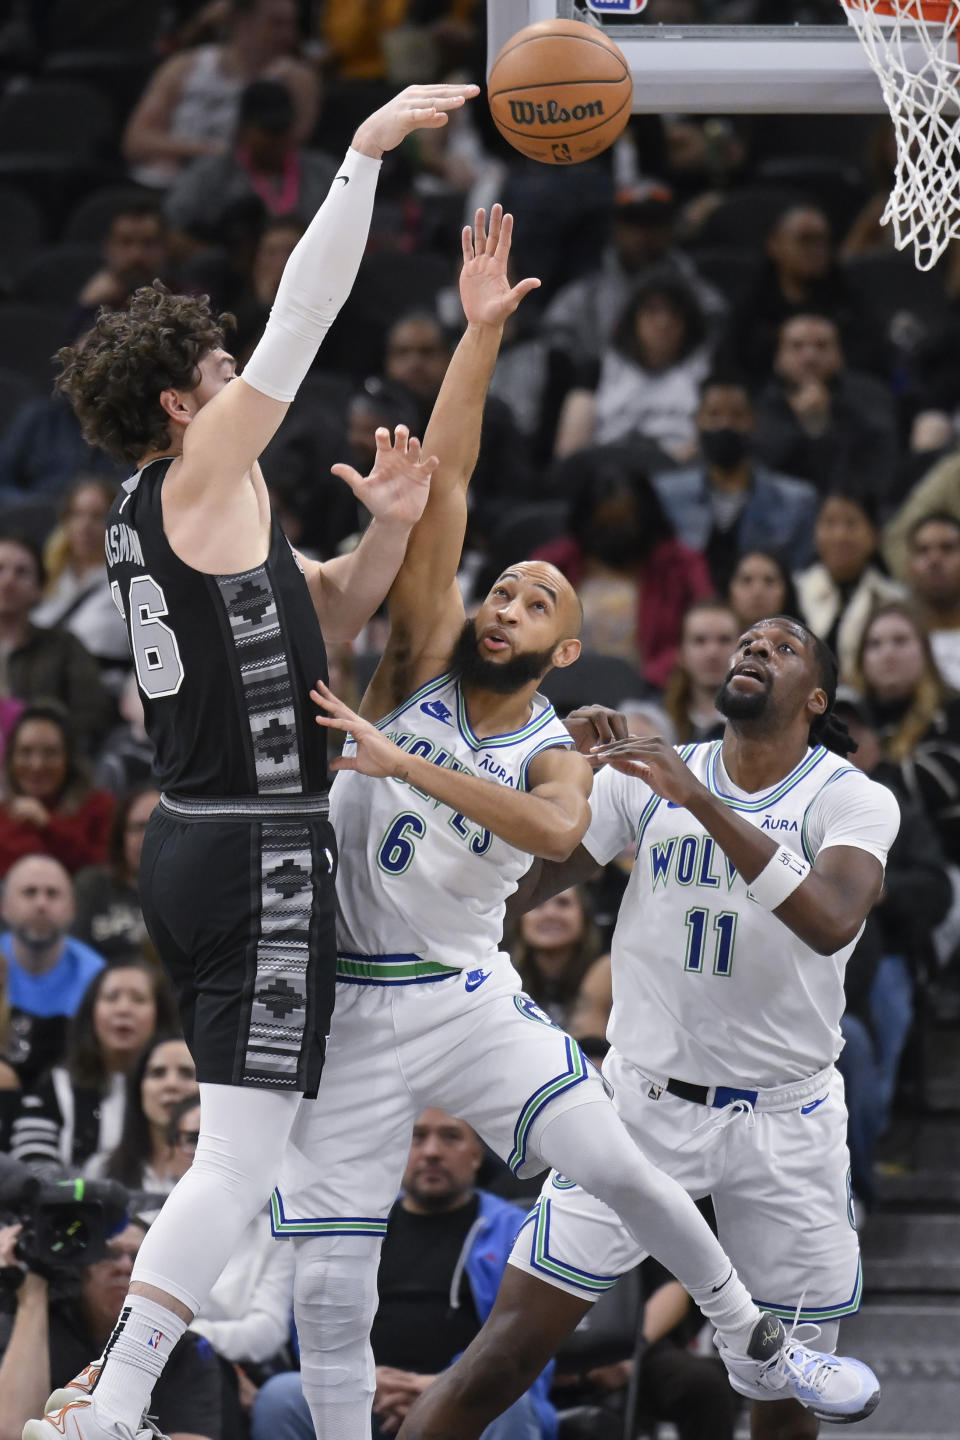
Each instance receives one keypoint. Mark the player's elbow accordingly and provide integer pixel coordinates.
(832, 933)
(559, 842)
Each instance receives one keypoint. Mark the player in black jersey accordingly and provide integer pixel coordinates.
(239, 859)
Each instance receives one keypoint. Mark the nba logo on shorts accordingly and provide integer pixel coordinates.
(155, 1338)
(616, 7)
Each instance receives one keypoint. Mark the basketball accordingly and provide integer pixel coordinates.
(560, 91)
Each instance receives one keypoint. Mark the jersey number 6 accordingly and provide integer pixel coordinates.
(156, 653)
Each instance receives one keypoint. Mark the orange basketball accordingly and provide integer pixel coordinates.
(560, 91)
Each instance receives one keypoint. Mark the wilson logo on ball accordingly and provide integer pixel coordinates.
(525, 112)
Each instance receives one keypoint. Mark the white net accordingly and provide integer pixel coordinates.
(914, 48)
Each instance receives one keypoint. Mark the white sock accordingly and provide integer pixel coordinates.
(133, 1359)
(727, 1304)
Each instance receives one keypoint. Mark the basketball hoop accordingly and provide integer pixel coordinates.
(914, 49)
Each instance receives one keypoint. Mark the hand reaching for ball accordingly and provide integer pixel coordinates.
(419, 107)
(485, 291)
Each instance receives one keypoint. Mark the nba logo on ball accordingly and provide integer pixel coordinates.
(560, 91)
(616, 7)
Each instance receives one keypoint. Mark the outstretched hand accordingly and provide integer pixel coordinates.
(419, 107)
(654, 760)
(376, 755)
(485, 291)
(399, 483)
(593, 727)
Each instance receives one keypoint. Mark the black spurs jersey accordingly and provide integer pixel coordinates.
(225, 663)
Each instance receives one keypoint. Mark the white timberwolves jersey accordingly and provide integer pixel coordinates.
(708, 986)
(415, 879)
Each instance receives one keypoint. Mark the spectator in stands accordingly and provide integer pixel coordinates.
(649, 376)
(933, 574)
(761, 585)
(77, 597)
(51, 1335)
(880, 975)
(42, 450)
(707, 641)
(49, 807)
(136, 251)
(820, 421)
(108, 903)
(48, 971)
(273, 249)
(264, 163)
(937, 491)
(554, 947)
(635, 580)
(75, 1111)
(144, 1159)
(726, 502)
(45, 663)
(9, 1079)
(916, 717)
(584, 314)
(800, 277)
(846, 582)
(127, 756)
(441, 1233)
(189, 108)
(416, 357)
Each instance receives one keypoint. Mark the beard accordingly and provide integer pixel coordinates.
(503, 678)
(746, 705)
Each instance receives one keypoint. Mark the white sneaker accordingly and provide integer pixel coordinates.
(79, 1388)
(778, 1366)
(76, 1421)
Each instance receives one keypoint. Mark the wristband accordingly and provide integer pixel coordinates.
(778, 879)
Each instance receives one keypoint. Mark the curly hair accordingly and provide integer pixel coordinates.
(114, 374)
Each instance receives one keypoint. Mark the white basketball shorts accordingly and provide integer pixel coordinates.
(780, 1182)
(407, 1036)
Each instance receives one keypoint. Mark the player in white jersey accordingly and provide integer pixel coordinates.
(456, 773)
(757, 860)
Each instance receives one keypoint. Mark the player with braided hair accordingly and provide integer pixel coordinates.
(758, 857)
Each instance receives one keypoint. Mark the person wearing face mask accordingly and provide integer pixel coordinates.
(635, 579)
(727, 503)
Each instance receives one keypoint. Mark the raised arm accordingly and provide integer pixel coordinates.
(825, 909)
(549, 820)
(224, 439)
(346, 591)
(426, 609)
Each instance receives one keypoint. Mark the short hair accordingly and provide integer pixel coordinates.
(935, 517)
(114, 374)
(725, 380)
(140, 206)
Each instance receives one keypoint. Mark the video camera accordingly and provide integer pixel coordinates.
(66, 1223)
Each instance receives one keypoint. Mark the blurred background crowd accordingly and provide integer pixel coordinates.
(731, 397)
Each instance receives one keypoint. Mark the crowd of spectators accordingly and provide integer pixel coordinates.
(730, 398)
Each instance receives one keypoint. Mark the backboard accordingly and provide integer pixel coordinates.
(720, 69)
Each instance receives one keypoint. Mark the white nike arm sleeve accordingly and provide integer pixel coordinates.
(316, 281)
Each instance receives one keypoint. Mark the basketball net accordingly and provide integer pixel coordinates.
(914, 49)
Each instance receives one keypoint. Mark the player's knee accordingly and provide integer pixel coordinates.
(335, 1300)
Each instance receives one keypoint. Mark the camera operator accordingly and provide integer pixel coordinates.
(58, 1325)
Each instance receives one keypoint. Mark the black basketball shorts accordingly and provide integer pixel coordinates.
(238, 898)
